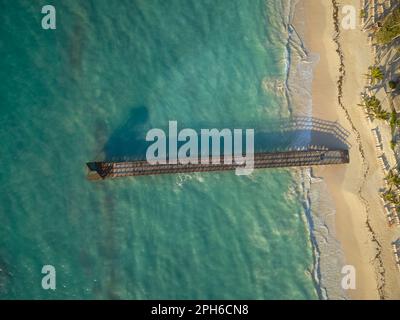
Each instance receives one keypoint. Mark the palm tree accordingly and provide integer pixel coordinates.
(396, 202)
(375, 74)
(391, 197)
(394, 121)
(393, 179)
(374, 107)
(381, 114)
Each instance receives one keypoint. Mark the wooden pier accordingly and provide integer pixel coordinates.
(298, 158)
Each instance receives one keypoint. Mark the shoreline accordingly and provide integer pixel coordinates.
(336, 89)
(318, 205)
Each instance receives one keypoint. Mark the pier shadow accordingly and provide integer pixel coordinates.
(128, 140)
(297, 133)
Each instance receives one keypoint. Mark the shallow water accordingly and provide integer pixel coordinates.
(90, 90)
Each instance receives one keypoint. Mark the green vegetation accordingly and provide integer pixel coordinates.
(388, 32)
(390, 28)
(394, 121)
(374, 108)
(393, 144)
(393, 179)
(391, 197)
(375, 74)
(393, 85)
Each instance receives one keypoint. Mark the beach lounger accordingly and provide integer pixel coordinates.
(397, 219)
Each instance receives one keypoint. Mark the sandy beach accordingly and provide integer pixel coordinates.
(338, 80)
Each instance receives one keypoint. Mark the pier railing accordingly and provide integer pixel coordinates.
(286, 159)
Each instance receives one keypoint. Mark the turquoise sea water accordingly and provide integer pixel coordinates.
(90, 90)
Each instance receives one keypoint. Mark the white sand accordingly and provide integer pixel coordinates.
(354, 188)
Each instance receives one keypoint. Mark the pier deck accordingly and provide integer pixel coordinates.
(298, 158)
